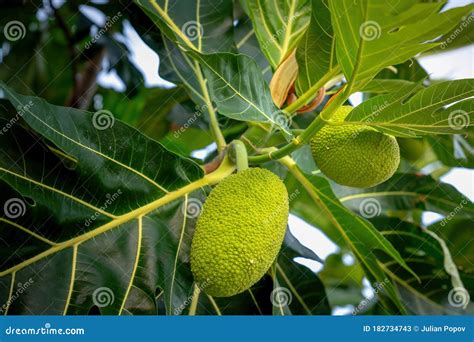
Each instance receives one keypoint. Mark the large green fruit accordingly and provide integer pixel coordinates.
(412, 149)
(355, 155)
(239, 232)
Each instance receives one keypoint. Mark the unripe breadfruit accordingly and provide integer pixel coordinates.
(239, 232)
(355, 155)
(412, 149)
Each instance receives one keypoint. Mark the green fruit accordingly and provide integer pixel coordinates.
(355, 155)
(412, 149)
(239, 232)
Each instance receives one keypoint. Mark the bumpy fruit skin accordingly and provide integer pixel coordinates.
(355, 155)
(239, 232)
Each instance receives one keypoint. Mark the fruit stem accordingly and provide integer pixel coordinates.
(194, 302)
(239, 154)
(306, 135)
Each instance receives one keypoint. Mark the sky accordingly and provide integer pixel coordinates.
(448, 65)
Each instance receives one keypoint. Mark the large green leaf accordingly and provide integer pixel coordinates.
(239, 90)
(456, 150)
(406, 192)
(415, 110)
(279, 26)
(441, 290)
(199, 25)
(297, 290)
(102, 211)
(373, 34)
(316, 53)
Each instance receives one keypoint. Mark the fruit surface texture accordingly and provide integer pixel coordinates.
(239, 232)
(355, 155)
